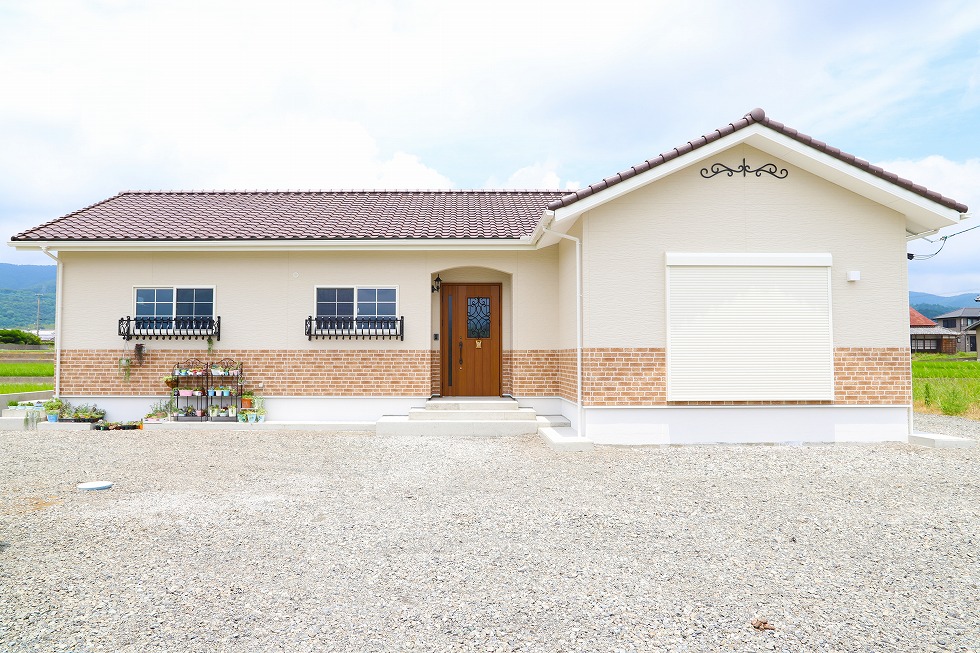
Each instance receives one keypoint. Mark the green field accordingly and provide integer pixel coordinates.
(10, 388)
(26, 369)
(946, 384)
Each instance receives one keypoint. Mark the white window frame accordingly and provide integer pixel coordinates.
(696, 318)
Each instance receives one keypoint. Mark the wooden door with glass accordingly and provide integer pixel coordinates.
(471, 340)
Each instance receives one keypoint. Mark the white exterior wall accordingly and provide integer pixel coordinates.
(626, 241)
(264, 298)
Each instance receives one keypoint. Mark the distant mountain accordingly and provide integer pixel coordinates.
(955, 301)
(18, 309)
(36, 278)
(19, 286)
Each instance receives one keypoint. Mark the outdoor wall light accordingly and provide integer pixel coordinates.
(854, 275)
(437, 284)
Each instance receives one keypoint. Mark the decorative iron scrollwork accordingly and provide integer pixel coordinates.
(768, 168)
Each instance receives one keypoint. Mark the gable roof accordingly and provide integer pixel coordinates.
(918, 319)
(961, 312)
(756, 116)
(498, 217)
(301, 215)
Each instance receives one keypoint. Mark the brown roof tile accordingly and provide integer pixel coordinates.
(917, 319)
(297, 215)
(756, 116)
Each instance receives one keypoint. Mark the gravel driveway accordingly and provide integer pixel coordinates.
(295, 541)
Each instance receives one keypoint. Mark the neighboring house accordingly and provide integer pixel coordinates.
(717, 292)
(971, 331)
(928, 337)
(960, 321)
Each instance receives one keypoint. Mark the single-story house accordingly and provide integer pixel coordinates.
(716, 292)
(928, 337)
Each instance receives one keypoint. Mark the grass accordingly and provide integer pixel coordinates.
(949, 385)
(26, 369)
(10, 388)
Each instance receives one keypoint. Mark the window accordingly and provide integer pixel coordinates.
(174, 308)
(949, 323)
(368, 309)
(921, 344)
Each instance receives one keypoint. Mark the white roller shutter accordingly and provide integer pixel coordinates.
(756, 330)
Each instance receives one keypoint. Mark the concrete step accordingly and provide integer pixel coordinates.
(471, 415)
(12, 423)
(475, 403)
(937, 441)
(402, 425)
(17, 412)
(564, 438)
(64, 426)
(555, 421)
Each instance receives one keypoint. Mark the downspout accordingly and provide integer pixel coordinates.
(59, 295)
(579, 322)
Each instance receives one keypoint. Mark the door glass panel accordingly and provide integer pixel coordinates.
(477, 317)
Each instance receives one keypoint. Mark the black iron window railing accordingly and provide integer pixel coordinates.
(352, 328)
(170, 327)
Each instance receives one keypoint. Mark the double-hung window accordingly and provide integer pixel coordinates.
(176, 309)
(357, 309)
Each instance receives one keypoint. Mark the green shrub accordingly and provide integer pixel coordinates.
(927, 394)
(18, 337)
(954, 401)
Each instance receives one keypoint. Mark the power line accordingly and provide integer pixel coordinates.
(942, 241)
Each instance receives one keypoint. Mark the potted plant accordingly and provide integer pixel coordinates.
(170, 381)
(52, 407)
(213, 410)
(247, 398)
(232, 410)
(259, 408)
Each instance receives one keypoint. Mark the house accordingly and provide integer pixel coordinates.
(971, 331)
(960, 321)
(715, 293)
(928, 337)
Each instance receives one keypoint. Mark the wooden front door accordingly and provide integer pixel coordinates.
(471, 342)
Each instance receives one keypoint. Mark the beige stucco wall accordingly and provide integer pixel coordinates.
(626, 241)
(264, 298)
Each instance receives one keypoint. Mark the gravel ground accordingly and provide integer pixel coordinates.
(294, 541)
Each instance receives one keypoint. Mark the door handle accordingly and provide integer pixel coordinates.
(461, 352)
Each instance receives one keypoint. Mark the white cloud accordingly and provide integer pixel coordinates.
(956, 268)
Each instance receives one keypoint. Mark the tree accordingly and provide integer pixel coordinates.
(18, 337)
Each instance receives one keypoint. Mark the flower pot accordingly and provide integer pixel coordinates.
(185, 393)
(52, 417)
(251, 418)
(246, 402)
(232, 411)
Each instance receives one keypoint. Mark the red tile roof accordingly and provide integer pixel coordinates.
(918, 319)
(290, 215)
(370, 214)
(756, 116)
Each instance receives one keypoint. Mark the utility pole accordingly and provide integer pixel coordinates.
(37, 326)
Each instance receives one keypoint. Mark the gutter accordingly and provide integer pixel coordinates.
(579, 322)
(59, 298)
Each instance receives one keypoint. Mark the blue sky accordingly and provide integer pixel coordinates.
(106, 95)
